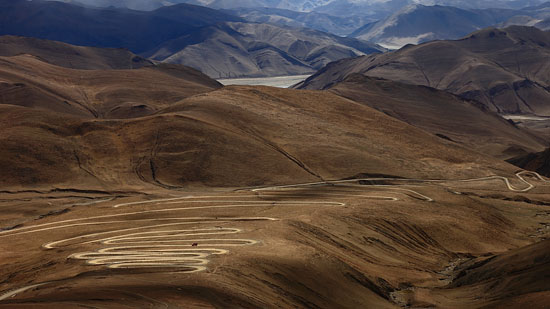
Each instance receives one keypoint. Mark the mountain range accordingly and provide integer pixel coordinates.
(248, 49)
(77, 82)
(252, 42)
(337, 25)
(415, 24)
(128, 182)
(135, 30)
(71, 111)
(507, 70)
(333, 7)
(537, 16)
(185, 34)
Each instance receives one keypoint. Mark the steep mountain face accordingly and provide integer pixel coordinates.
(418, 23)
(135, 30)
(443, 114)
(200, 37)
(245, 49)
(506, 70)
(71, 56)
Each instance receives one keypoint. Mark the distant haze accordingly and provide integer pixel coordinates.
(337, 7)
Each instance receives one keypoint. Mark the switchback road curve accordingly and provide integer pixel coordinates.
(186, 244)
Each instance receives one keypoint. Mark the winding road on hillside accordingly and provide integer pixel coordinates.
(488, 178)
(186, 244)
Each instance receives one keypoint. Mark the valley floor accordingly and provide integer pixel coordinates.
(277, 81)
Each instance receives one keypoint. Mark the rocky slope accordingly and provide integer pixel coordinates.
(248, 49)
(104, 27)
(217, 43)
(505, 69)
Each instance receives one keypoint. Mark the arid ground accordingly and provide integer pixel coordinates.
(373, 242)
(132, 184)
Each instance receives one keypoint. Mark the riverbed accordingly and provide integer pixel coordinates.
(278, 81)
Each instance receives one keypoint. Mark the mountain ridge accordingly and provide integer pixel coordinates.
(482, 66)
(259, 50)
(417, 23)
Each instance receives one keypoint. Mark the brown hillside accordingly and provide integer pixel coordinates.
(538, 162)
(157, 188)
(443, 114)
(515, 279)
(71, 56)
(508, 70)
(235, 136)
(26, 80)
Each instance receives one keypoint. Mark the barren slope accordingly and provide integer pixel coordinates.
(104, 27)
(256, 197)
(370, 243)
(417, 23)
(250, 49)
(515, 279)
(70, 56)
(538, 162)
(81, 196)
(507, 70)
(235, 136)
(443, 114)
(26, 80)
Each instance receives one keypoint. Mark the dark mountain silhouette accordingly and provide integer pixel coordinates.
(108, 27)
(249, 49)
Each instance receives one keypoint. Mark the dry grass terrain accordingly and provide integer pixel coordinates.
(344, 245)
(252, 197)
(26, 80)
(450, 117)
(71, 56)
(236, 136)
